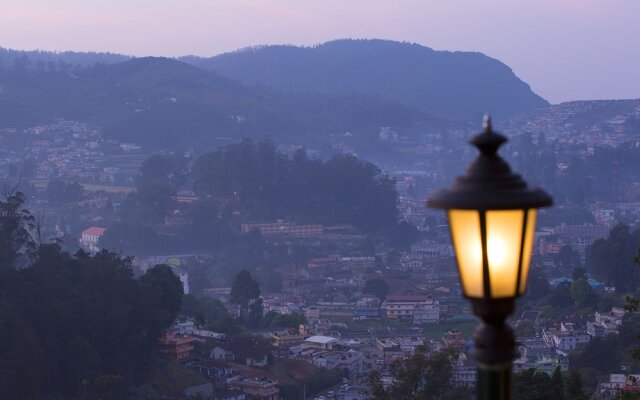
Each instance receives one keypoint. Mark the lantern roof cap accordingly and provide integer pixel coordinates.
(489, 182)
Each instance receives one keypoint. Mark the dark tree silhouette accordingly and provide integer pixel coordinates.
(244, 289)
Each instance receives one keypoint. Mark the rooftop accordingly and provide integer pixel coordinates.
(94, 230)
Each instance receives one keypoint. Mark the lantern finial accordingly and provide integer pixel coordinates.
(488, 141)
(486, 122)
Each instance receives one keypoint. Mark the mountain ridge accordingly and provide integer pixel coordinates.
(451, 84)
(163, 102)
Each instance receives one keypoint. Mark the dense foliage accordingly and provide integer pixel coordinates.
(322, 379)
(76, 326)
(269, 185)
(59, 191)
(377, 287)
(611, 259)
(18, 231)
(420, 376)
(251, 182)
(244, 289)
(209, 313)
(536, 385)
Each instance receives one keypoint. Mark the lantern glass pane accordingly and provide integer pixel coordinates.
(465, 232)
(504, 237)
(528, 247)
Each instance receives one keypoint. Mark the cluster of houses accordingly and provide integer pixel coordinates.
(552, 342)
(237, 366)
(75, 151)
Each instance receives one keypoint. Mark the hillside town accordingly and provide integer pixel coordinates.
(349, 305)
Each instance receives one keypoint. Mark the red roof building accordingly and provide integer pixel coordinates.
(90, 237)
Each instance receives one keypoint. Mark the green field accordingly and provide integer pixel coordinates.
(89, 187)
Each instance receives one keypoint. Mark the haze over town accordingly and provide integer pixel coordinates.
(227, 200)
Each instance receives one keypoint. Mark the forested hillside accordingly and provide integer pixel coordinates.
(164, 103)
(454, 84)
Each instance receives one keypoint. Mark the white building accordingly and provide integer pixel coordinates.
(567, 338)
(184, 279)
(90, 238)
(415, 308)
(319, 342)
(616, 384)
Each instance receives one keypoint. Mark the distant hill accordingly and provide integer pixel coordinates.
(160, 102)
(48, 60)
(576, 117)
(453, 84)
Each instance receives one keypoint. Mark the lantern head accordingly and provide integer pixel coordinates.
(492, 214)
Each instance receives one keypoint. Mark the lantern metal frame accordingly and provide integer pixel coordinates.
(491, 185)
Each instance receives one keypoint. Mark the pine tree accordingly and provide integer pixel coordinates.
(575, 391)
(557, 385)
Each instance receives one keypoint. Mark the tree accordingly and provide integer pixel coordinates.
(601, 353)
(376, 287)
(161, 175)
(59, 191)
(165, 289)
(420, 376)
(579, 273)
(265, 184)
(255, 315)
(560, 297)
(564, 257)
(531, 385)
(402, 235)
(200, 320)
(556, 384)
(611, 259)
(276, 320)
(582, 293)
(18, 236)
(575, 391)
(244, 289)
(81, 326)
(133, 239)
(212, 312)
(538, 285)
(525, 329)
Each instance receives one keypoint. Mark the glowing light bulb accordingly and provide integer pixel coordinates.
(497, 251)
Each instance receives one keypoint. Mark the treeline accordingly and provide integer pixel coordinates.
(55, 61)
(75, 326)
(612, 259)
(423, 375)
(245, 292)
(252, 182)
(267, 185)
(537, 385)
(430, 375)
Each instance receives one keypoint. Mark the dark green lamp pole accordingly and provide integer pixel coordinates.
(492, 214)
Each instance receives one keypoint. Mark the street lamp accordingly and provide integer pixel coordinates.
(492, 215)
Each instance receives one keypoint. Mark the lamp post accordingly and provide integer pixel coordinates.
(492, 214)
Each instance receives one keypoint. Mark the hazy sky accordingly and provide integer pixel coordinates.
(565, 49)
